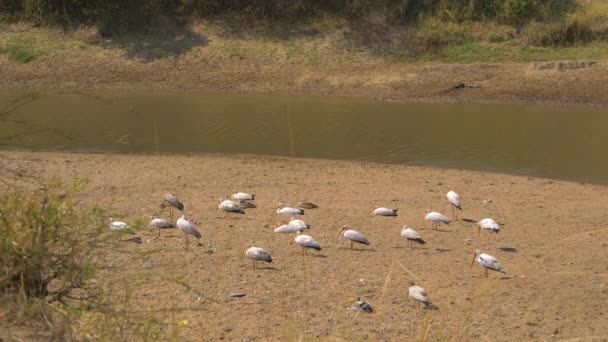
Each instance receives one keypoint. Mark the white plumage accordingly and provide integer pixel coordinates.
(118, 226)
(418, 294)
(382, 211)
(171, 201)
(454, 199)
(353, 236)
(436, 218)
(298, 224)
(411, 236)
(243, 196)
(306, 241)
(488, 262)
(489, 225)
(282, 209)
(159, 223)
(286, 229)
(258, 254)
(229, 206)
(188, 228)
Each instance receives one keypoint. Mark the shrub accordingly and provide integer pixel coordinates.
(435, 34)
(46, 246)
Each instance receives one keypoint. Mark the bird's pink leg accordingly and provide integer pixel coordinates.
(351, 245)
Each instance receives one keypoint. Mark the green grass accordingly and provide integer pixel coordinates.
(20, 52)
(476, 52)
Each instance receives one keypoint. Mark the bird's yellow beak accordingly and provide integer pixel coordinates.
(474, 257)
(370, 210)
(340, 232)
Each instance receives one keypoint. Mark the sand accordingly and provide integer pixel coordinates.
(555, 288)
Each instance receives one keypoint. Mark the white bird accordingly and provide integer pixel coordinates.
(418, 294)
(298, 224)
(306, 241)
(118, 226)
(411, 236)
(353, 236)
(486, 224)
(286, 229)
(436, 218)
(171, 201)
(159, 223)
(382, 211)
(243, 196)
(454, 199)
(258, 254)
(282, 209)
(188, 228)
(229, 206)
(488, 262)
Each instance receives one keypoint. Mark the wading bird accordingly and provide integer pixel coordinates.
(488, 262)
(411, 236)
(298, 224)
(118, 226)
(486, 224)
(188, 229)
(436, 218)
(229, 207)
(454, 199)
(307, 205)
(291, 228)
(242, 196)
(418, 294)
(159, 223)
(353, 236)
(382, 211)
(171, 201)
(258, 254)
(282, 209)
(306, 241)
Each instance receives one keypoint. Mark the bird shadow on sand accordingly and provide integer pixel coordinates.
(356, 249)
(507, 249)
(411, 248)
(319, 256)
(268, 268)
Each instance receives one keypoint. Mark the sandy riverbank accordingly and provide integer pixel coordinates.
(554, 288)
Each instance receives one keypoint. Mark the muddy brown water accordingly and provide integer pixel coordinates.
(556, 142)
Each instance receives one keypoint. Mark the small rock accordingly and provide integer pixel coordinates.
(238, 294)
